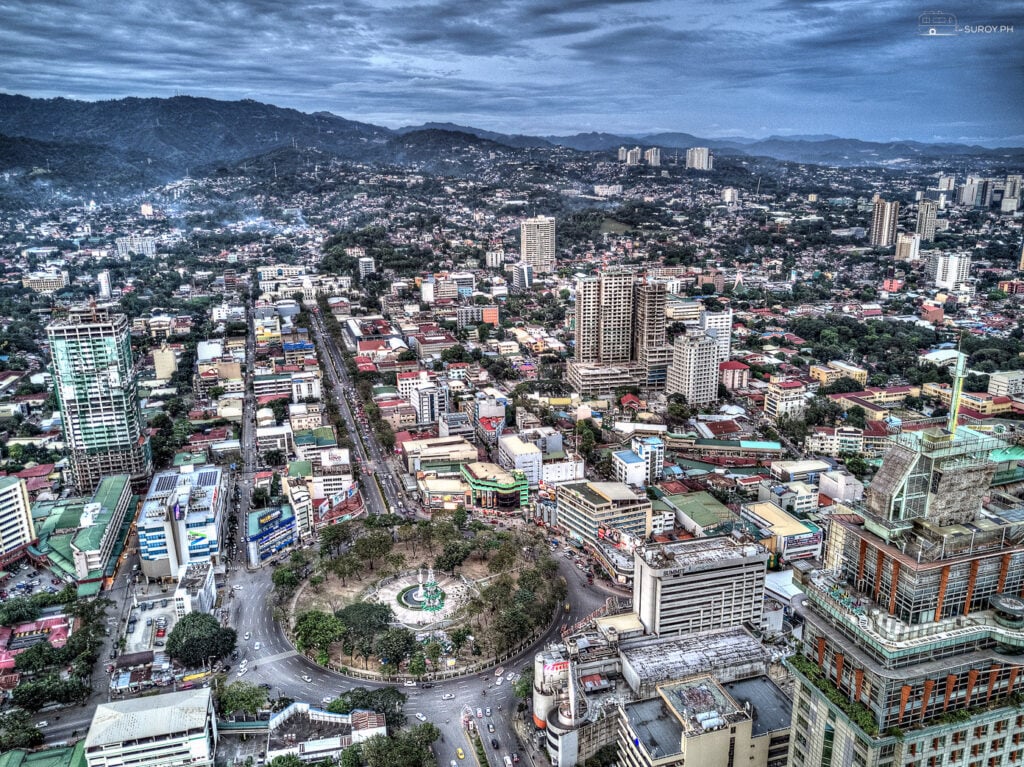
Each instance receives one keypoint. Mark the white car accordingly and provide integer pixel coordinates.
(498, 681)
(326, 699)
(40, 725)
(448, 696)
(242, 671)
(244, 663)
(306, 678)
(420, 717)
(409, 683)
(509, 677)
(257, 646)
(237, 587)
(248, 636)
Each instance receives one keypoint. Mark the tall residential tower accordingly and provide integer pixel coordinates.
(537, 243)
(96, 391)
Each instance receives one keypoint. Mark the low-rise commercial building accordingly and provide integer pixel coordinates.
(492, 489)
(158, 731)
(267, 532)
(585, 508)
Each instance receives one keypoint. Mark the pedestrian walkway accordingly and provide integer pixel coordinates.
(279, 656)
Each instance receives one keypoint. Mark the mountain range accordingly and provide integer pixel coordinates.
(137, 141)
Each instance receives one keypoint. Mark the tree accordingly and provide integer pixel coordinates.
(856, 417)
(335, 537)
(453, 555)
(242, 696)
(459, 517)
(394, 646)
(524, 684)
(273, 457)
(344, 566)
(288, 760)
(197, 637)
(372, 547)
(418, 665)
(285, 579)
(842, 385)
(317, 630)
(18, 731)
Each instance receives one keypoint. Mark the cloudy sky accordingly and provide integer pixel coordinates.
(710, 67)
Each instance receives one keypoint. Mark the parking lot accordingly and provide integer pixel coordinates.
(26, 579)
(149, 624)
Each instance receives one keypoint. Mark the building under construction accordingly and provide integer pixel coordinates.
(914, 638)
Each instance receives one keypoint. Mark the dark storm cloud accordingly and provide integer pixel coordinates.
(738, 67)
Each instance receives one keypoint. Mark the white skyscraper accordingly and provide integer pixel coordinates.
(103, 280)
(948, 270)
(694, 369)
(653, 156)
(926, 211)
(15, 518)
(907, 246)
(537, 243)
(699, 158)
(883, 223)
(719, 326)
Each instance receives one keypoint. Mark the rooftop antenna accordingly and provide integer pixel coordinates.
(958, 385)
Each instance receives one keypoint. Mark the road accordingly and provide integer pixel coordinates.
(250, 609)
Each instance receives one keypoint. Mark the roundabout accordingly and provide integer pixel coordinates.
(422, 601)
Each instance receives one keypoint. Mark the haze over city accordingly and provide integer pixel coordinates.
(541, 66)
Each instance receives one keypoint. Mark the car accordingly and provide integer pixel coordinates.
(326, 699)
(248, 636)
(452, 763)
(164, 603)
(515, 757)
(510, 676)
(448, 696)
(420, 717)
(237, 586)
(490, 727)
(487, 711)
(409, 683)
(479, 713)
(242, 671)
(159, 643)
(497, 682)
(245, 662)
(161, 633)
(426, 685)
(55, 581)
(149, 621)
(40, 725)
(257, 646)
(460, 753)
(495, 744)
(306, 678)
(266, 686)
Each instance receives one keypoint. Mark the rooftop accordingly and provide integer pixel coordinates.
(730, 653)
(770, 707)
(150, 717)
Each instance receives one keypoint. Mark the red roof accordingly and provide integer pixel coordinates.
(733, 365)
(42, 470)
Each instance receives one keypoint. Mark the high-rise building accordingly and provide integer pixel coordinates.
(180, 521)
(699, 158)
(537, 243)
(135, 243)
(604, 317)
(910, 652)
(718, 325)
(633, 156)
(694, 369)
(367, 266)
(522, 276)
(908, 246)
(730, 195)
(585, 509)
(700, 585)
(16, 530)
(622, 153)
(883, 223)
(946, 183)
(103, 281)
(949, 270)
(926, 210)
(1013, 186)
(96, 390)
(495, 259)
(653, 157)
(650, 346)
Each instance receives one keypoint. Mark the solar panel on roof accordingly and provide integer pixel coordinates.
(207, 478)
(166, 483)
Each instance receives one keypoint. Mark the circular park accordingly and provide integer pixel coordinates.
(426, 600)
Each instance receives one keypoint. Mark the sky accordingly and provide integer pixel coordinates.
(714, 68)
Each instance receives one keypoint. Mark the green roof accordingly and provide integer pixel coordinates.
(90, 588)
(65, 756)
(703, 508)
(253, 522)
(300, 469)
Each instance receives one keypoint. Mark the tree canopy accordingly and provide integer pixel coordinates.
(197, 637)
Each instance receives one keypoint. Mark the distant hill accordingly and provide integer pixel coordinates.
(135, 142)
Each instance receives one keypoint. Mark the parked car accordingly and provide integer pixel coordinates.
(409, 683)
(420, 717)
(306, 678)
